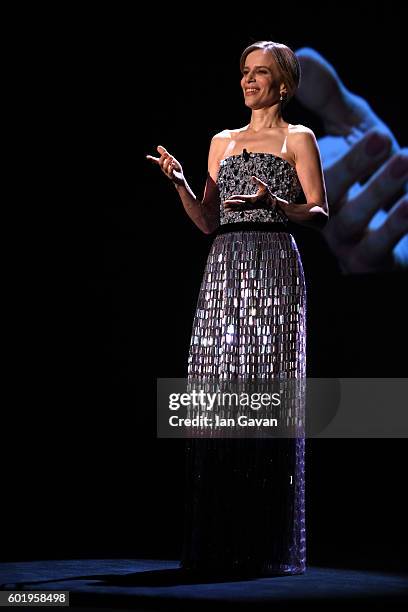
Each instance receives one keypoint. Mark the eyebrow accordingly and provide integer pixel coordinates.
(257, 67)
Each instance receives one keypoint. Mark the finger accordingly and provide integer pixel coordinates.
(355, 215)
(162, 160)
(167, 162)
(242, 198)
(255, 179)
(170, 169)
(262, 187)
(321, 89)
(234, 206)
(377, 245)
(360, 161)
(233, 202)
(155, 159)
(168, 165)
(164, 155)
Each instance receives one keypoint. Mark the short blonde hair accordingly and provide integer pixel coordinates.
(286, 60)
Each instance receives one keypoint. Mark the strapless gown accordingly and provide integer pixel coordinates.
(244, 498)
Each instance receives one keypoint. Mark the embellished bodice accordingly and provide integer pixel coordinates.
(235, 177)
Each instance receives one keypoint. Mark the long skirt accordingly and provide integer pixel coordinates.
(244, 497)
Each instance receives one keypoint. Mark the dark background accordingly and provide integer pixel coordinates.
(115, 279)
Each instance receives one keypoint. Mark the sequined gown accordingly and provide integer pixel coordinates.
(244, 503)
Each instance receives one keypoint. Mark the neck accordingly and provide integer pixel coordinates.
(265, 119)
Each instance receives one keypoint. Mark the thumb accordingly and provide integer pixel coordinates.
(255, 179)
(321, 89)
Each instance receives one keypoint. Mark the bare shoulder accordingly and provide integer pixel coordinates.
(219, 143)
(221, 138)
(223, 134)
(299, 132)
(302, 142)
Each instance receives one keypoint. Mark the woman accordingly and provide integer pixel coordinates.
(245, 497)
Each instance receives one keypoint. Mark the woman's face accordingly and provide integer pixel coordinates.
(260, 79)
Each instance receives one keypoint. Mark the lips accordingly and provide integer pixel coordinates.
(250, 91)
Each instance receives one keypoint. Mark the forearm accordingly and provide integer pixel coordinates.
(194, 207)
(309, 214)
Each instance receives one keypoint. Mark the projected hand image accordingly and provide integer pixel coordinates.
(366, 173)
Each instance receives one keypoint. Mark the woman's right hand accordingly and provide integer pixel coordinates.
(169, 166)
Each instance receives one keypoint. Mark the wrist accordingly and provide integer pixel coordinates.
(178, 184)
(283, 204)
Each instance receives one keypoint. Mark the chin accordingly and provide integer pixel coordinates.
(252, 106)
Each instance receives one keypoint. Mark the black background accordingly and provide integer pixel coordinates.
(114, 269)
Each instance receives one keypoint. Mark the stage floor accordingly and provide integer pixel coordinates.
(140, 584)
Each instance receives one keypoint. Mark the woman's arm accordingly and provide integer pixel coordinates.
(315, 212)
(205, 213)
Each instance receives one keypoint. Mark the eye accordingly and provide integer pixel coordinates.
(263, 70)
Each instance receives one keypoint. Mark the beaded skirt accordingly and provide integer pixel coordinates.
(245, 497)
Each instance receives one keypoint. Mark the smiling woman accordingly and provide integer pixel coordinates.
(281, 64)
(250, 324)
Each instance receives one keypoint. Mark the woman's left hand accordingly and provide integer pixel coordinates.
(263, 198)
